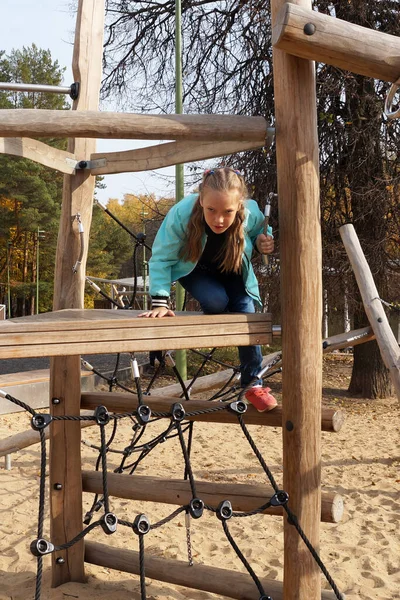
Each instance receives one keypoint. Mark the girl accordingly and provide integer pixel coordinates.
(205, 242)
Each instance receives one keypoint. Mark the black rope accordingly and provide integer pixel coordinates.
(188, 466)
(257, 453)
(294, 521)
(141, 567)
(42, 489)
(21, 404)
(242, 558)
(103, 453)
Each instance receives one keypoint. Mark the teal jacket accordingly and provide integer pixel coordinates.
(165, 266)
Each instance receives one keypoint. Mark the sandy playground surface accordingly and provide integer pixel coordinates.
(361, 462)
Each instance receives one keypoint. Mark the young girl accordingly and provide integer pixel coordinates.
(205, 242)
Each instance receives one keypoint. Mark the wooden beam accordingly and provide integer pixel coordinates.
(331, 420)
(375, 312)
(86, 331)
(303, 32)
(40, 153)
(164, 155)
(243, 497)
(24, 439)
(350, 338)
(93, 124)
(226, 583)
(69, 283)
(301, 305)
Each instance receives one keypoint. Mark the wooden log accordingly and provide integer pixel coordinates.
(39, 152)
(331, 419)
(301, 303)
(375, 312)
(69, 283)
(19, 441)
(305, 33)
(350, 338)
(165, 155)
(93, 124)
(244, 497)
(226, 583)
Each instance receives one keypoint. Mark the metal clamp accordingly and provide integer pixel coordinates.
(40, 547)
(178, 412)
(239, 407)
(143, 414)
(224, 510)
(281, 497)
(196, 508)
(40, 421)
(141, 525)
(109, 523)
(101, 415)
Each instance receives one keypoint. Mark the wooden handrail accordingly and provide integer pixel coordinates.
(309, 34)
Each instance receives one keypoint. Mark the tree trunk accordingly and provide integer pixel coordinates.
(370, 377)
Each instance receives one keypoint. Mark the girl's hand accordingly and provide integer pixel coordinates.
(265, 244)
(162, 311)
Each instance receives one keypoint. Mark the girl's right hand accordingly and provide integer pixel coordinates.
(159, 312)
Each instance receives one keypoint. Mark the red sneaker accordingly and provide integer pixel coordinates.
(260, 398)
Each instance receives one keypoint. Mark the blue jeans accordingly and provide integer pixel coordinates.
(219, 293)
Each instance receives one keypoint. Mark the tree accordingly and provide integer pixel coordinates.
(30, 194)
(227, 66)
(110, 244)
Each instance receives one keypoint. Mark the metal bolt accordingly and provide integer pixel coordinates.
(289, 425)
(380, 319)
(60, 560)
(58, 486)
(309, 29)
(55, 401)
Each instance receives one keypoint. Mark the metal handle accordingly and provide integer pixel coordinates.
(389, 113)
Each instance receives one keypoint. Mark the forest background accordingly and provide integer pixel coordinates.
(227, 68)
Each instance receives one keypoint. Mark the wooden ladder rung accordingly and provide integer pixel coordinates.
(199, 577)
(116, 402)
(243, 497)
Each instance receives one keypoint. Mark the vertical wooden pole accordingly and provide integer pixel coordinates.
(301, 284)
(65, 455)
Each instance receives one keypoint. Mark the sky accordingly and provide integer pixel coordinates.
(50, 24)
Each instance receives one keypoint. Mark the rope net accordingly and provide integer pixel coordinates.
(172, 424)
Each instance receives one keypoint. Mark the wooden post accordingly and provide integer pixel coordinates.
(65, 372)
(301, 285)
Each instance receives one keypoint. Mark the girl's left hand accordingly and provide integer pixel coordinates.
(265, 244)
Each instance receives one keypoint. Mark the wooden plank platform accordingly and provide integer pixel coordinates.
(98, 331)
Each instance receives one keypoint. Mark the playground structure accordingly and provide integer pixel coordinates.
(299, 36)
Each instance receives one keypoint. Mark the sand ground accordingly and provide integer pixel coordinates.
(361, 462)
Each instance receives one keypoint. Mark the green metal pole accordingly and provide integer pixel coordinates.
(37, 273)
(8, 280)
(181, 362)
(144, 263)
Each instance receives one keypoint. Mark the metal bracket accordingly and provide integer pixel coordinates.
(86, 164)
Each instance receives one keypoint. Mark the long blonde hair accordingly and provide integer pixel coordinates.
(230, 257)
